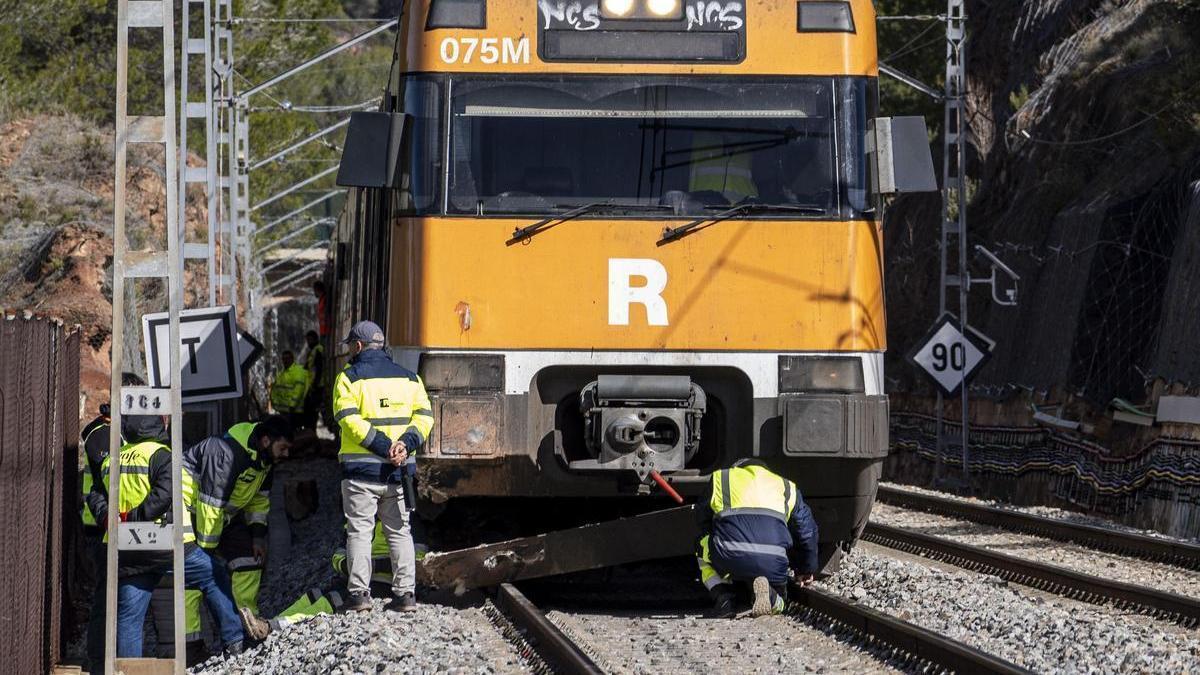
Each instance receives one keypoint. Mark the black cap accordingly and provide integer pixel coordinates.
(366, 332)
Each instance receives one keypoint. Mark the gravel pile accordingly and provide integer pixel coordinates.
(1039, 634)
(1071, 556)
(1045, 512)
(434, 639)
(623, 643)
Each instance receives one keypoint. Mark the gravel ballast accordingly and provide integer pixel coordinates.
(1025, 628)
(435, 638)
(1043, 511)
(628, 644)
(1071, 556)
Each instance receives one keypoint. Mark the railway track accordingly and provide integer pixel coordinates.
(1068, 583)
(1156, 549)
(551, 649)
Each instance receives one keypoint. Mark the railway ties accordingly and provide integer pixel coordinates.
(1180, 554)
(1050, 578)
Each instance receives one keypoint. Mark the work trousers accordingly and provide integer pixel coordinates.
(361, 501)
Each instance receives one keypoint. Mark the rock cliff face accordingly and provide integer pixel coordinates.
(56, 192)
(1085, 178)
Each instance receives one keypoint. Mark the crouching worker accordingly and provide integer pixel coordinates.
(316, 601)
(754, 527)
(226, 492)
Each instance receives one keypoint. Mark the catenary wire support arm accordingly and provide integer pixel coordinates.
(911, 81)
(287, 191)
(337, 49)
(302, 273)
(295, 212)
(299, 144)
(283, 261)
(292, 235)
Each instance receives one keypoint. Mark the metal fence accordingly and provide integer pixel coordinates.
(39, 429)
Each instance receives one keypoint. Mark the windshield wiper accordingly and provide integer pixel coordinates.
(523, 233)
(670, 234)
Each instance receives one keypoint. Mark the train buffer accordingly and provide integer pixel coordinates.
(649, 536)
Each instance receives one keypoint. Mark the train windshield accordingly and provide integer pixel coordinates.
(647, 145)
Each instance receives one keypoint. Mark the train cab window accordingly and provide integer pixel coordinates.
(647, 145)
(421, 147)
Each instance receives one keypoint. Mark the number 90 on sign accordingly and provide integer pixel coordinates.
(950, 358)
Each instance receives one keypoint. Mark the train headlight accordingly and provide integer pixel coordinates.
(833, 374)
(616, 9)
(664, 9)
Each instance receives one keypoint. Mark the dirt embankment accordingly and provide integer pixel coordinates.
(56, 249)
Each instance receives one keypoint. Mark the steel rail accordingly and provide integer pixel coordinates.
(551, 643)
(1176, 553)
(1051, 578)
(916, 641)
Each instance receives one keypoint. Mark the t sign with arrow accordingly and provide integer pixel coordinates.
(210, 355)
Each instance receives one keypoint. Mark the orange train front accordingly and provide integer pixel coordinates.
(622, 235)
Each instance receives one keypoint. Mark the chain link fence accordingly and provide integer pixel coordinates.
(39, 430)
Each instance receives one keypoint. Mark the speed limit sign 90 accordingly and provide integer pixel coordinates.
(948, 356)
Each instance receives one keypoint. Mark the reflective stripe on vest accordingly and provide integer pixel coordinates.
(751, 490)
(134, 485)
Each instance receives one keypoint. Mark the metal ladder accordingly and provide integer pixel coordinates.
(167, 265)
(954, 272)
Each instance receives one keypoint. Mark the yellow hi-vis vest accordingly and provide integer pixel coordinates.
(310, 362)
(721, 168)
(287, 394)
(375, 396)
(752, 490)
(210, 513)
(134, 485)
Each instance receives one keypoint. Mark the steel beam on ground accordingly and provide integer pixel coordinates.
(295, 212)
(287, 191)
(299, 144)
(245, 95)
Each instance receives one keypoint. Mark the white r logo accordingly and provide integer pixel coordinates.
(621, 294)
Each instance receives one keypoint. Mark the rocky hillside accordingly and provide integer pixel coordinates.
(1085, 178)
(56, 195)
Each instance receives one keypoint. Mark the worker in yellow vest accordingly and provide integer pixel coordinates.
(720, 163)
(289, 389)
(226, 491)
(755, 529)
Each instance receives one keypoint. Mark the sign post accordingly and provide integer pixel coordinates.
(950, 357)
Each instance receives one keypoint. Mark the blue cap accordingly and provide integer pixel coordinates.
(366, 332)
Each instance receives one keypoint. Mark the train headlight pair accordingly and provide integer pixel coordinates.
(641, 9)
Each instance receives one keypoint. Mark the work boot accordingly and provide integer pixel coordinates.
(256, 628)
(358, 602)
(724, 603)
(763, 604)
(405, 602)
(195, 653)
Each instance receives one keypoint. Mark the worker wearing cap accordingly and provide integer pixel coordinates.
(226, 492)
(385, 418)
(289, 389)
(754, 527)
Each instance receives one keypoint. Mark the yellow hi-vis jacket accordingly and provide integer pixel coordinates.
(721, 168)
(85, 479)
(377, 402)
(145, 483)
(223, 476)
(291, 385)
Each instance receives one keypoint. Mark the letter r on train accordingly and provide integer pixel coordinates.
(622, 293)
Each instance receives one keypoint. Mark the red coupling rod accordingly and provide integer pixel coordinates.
(666, 487)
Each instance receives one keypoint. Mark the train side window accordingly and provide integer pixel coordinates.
(421, 149)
